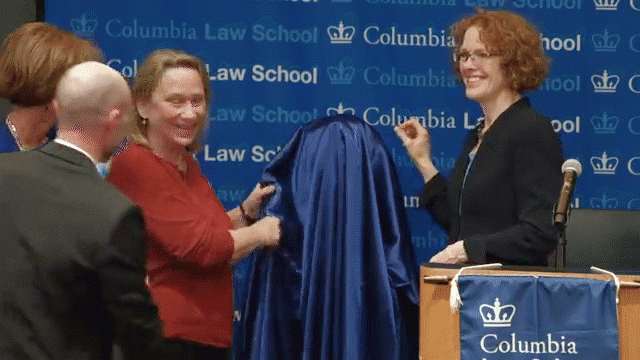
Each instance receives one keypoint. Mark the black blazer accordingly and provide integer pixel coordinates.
(72, 262)
(504, 210)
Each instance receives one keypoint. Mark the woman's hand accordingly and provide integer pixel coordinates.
(252, 203)
(417, 141)
(452, 254)
(263, 233)
(269, 229)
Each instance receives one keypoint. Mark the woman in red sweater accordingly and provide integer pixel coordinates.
(192, 239)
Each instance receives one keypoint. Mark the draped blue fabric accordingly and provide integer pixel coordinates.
(343, 284)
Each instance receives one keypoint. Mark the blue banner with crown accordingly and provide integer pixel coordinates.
(537, 318)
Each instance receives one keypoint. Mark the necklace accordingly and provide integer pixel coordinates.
(14, 133)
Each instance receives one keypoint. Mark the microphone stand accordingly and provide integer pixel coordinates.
(560, 222)
(561, 249)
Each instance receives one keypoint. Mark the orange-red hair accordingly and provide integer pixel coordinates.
(514, 39)
(34, 57)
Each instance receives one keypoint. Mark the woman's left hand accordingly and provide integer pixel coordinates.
(251, 204)
(452, 254)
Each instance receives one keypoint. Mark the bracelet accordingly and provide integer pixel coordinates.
(245, 216)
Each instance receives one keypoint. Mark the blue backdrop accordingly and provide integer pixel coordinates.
(277, 64)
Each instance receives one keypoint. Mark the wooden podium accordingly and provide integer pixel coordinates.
(440, 328)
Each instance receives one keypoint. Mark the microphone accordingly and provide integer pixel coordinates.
(571, 169)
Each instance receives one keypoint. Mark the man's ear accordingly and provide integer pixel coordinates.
(54, 106)
(114, 115)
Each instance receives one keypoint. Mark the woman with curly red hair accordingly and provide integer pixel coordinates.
(498, 202)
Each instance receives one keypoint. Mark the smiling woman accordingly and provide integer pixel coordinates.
(498, 201)
(192, 240)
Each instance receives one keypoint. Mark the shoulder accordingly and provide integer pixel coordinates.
(132, 155)
(523, 122)
(19, 162)
(133, 162)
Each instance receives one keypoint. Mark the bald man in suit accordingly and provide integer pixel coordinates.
(72, 247)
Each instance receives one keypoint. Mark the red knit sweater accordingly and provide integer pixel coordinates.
(188, 269)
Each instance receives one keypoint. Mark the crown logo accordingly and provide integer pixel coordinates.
(84, 26)
(606, 4)
(605, 42)
(605, 124)
(605, 83)
(340, 110)
(496, 315)
(604, 202)
(341, 74)
(604, 165)
(341, 34)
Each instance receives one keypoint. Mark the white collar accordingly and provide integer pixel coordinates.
(75, 147)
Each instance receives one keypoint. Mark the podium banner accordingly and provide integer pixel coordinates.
(537, 318)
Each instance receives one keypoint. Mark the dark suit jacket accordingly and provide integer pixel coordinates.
(72, 262)
(504, 210)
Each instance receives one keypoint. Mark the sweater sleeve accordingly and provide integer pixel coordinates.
(435, 198)
(188, 223)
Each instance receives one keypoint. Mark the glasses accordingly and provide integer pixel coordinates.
(476, 56)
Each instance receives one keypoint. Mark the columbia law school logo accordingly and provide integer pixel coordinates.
(496, 315)
(340, 110)
(606, 4)
(605, 83)
(341, 34)
(85, 26)
(605, 42)
(604, 165)
(604, 202)
(341, 75)
(605, 124)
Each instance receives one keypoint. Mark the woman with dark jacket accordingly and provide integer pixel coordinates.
(498, 202)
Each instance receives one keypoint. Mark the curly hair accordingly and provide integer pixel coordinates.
(34, 57)
(514, 39)
(147, 79)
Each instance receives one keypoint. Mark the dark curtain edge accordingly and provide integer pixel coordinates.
(39, 10)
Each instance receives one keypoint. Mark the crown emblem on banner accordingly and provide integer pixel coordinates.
(605, 42)
(606, 4)
(604, 202)
(340, 110)
(341, 34)
(604, 82)
(341, 74)
(605, 124)
(496, 315)
(604, 165)
(84, 26)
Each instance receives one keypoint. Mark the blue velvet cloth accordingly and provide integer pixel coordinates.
(343, 284)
